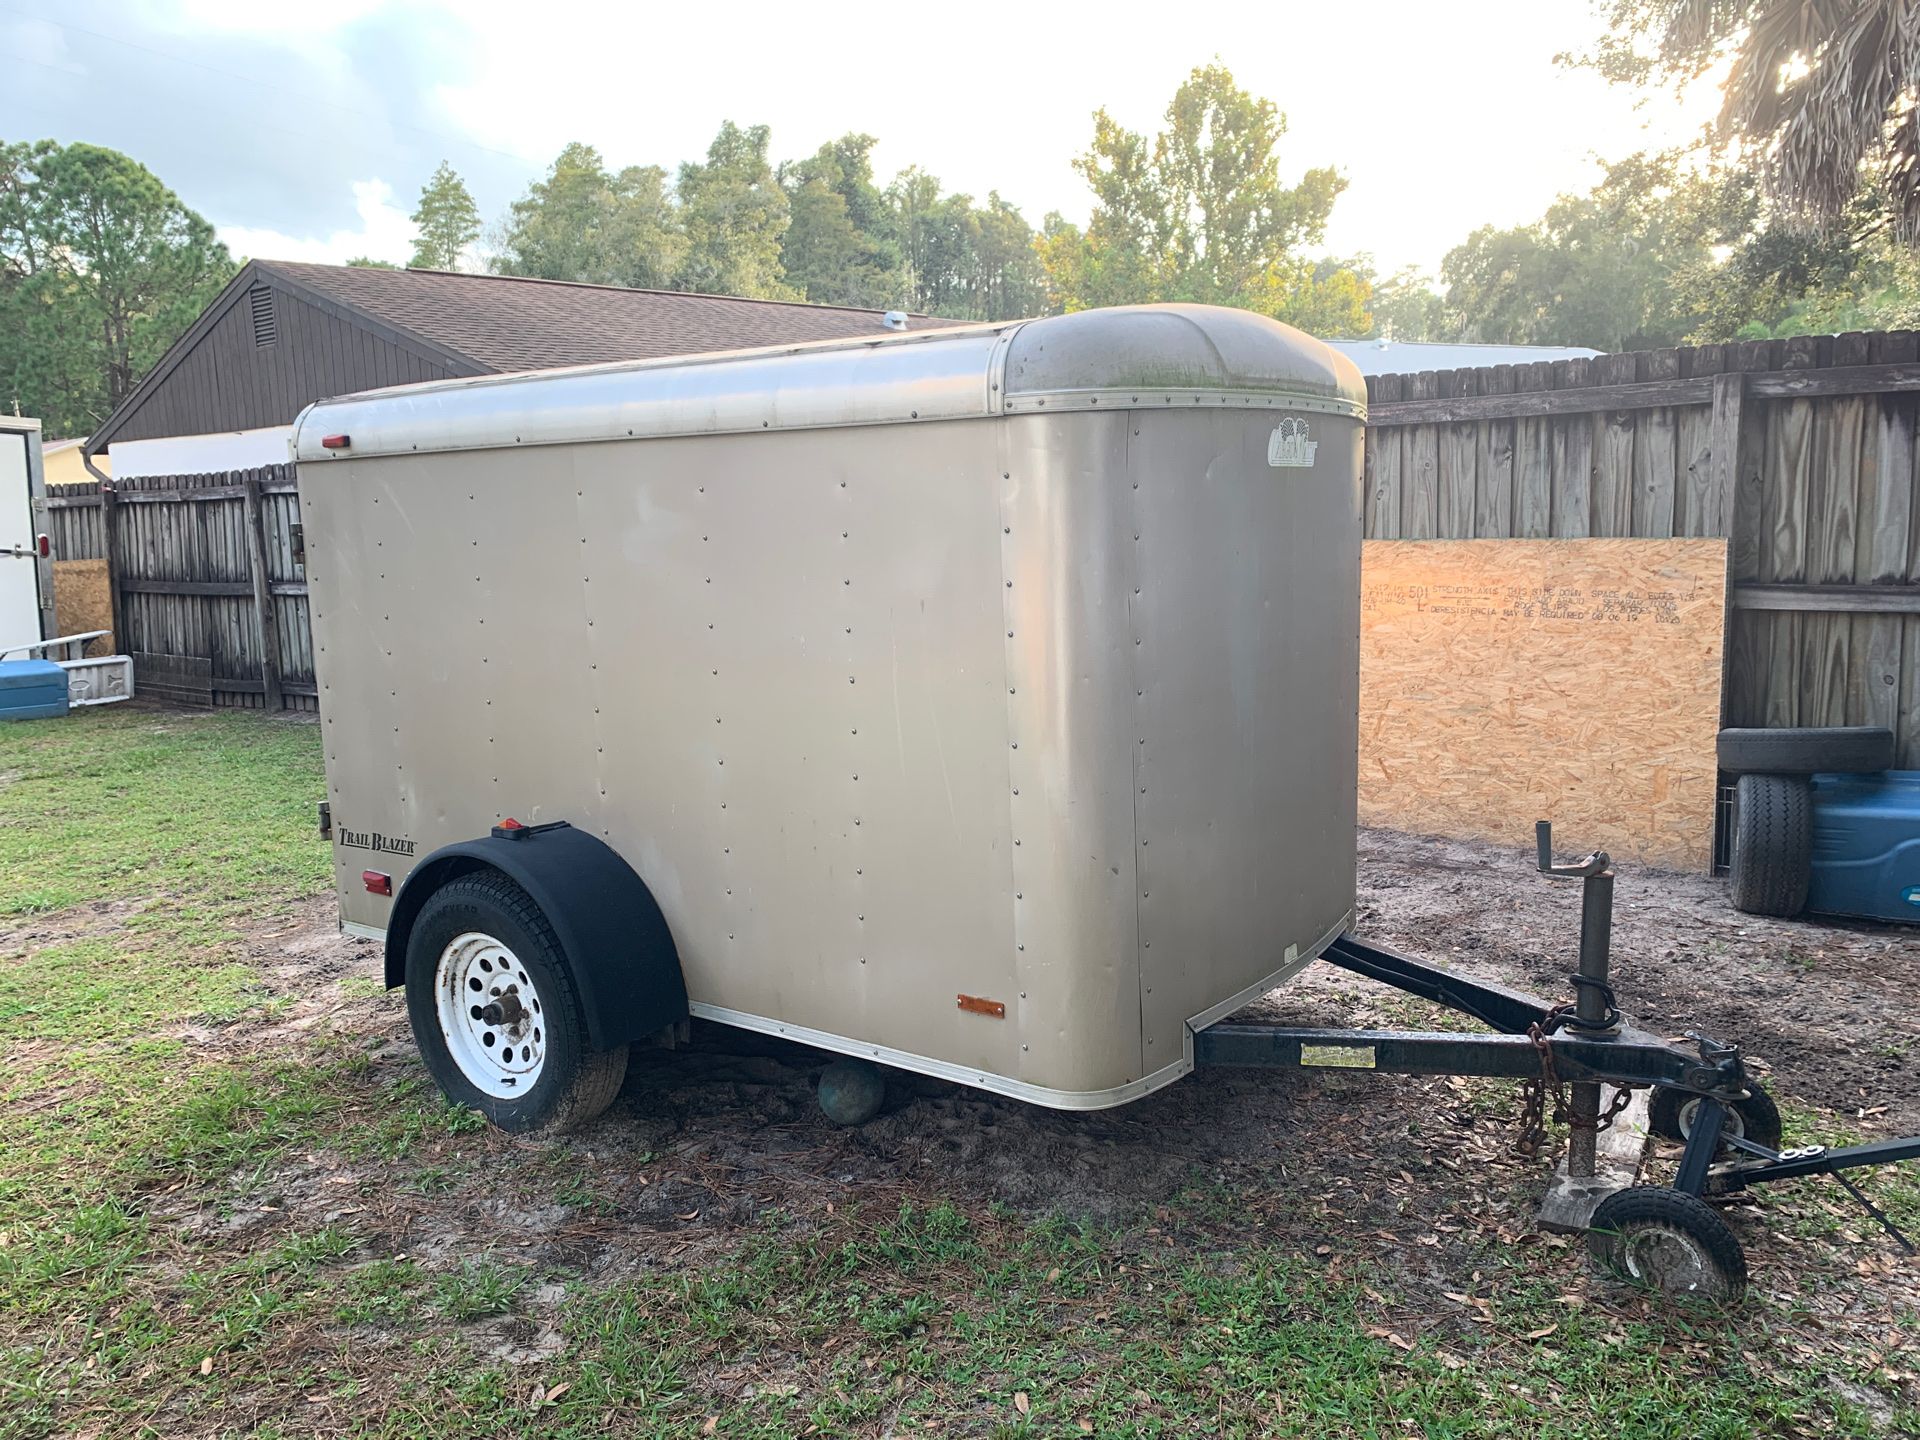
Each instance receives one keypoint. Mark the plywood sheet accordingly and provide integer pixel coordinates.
(1577, 681)
(82, 601)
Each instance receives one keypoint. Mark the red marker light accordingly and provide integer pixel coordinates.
(336, 442)
(376, 882)
(44, 545)
(511, 824)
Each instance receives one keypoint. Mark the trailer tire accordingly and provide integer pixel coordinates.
(495, 1011)
(1809, 750)
(1756, 1118)
(1772, 845)
(1668, 1241)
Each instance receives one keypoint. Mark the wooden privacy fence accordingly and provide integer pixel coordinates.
(1799, 452)
(208, 588)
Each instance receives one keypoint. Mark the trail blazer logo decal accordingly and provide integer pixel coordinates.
(374, 841)
(1289, 445)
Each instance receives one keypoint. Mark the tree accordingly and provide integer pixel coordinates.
(449, 221)
(367, 262)
(734, 213)
(1405, 306)
(1819, 99)
(101, 269)
(1641, 261)
(839, 247)
(1199, 213)
(964, 261)
(582, 223)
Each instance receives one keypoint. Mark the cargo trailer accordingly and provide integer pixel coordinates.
(980, 702)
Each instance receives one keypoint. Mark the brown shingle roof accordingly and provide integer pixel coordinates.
(504, 322)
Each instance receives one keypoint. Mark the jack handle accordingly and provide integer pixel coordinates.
(1593, 864)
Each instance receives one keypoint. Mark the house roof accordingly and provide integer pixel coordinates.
(507, 322)
(490, 324)
(1408, 357)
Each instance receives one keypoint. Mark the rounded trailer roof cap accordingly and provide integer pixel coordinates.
(1135, 355)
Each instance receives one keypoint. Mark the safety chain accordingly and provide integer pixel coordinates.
(1532, 1123)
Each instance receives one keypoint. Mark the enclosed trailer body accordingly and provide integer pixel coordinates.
(980, 701)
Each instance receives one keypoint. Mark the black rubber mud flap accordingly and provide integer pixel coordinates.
(616, 941)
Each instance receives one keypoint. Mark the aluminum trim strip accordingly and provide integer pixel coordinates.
(363, 932)
(933, 375)
(1143, 399)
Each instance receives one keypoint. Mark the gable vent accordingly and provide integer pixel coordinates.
(260, 301)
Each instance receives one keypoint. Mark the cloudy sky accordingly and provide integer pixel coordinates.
(304, 131)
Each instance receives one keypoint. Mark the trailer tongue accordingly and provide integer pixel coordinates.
(1666, 1236)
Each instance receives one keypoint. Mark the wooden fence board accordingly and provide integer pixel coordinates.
(1459, 462)
(1420, 480)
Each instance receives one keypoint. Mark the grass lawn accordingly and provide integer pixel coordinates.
(230, 1203)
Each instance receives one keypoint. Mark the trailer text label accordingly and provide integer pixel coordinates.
(374, 841)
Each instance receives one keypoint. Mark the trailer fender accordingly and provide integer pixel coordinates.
(617, 943)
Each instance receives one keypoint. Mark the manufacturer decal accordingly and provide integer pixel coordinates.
(376, 842)
(1911, 894)
(1289, 445)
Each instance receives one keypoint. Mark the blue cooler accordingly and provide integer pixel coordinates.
(32, 690)
(1866, 845)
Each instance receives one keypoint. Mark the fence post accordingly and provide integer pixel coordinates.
(110, 548)
(262, 590)
(1724, 441)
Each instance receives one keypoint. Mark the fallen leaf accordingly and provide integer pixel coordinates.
(712, 1422)
(206, 1365)
(690, 1215)
(1542, 1332)
(557, 1391)
(1086, 1427)
(1020, 1401)
(1053, 1274)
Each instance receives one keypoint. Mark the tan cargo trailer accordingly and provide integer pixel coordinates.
(980, 702)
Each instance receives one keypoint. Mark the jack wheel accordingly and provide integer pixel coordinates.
(852, 1091)
(1670, 1242)
(1755, 1118)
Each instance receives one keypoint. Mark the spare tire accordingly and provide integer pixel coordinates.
(1772, 845)
(1818, 750)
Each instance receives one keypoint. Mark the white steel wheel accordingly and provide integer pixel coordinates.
(495, 1013)
(490, 1015)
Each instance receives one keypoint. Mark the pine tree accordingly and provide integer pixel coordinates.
(449, 221)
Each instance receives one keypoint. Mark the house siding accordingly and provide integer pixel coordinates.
(227, 383)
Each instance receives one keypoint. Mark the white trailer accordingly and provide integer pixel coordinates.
(26, 569)
(980, 702)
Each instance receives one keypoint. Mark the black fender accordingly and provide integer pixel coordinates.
(618, 947)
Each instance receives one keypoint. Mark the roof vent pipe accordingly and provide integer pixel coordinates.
(894, 319)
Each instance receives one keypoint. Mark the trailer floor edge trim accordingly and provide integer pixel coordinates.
(1297, 959)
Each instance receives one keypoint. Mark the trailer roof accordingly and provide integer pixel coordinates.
(1122, 358)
